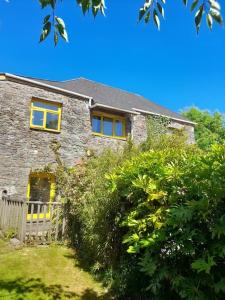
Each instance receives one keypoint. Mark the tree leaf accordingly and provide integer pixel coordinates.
(62, 32)
(147, 17)
(61, 28)
(94, 11)
(185, 2)
(133, 249)
(202, 265)
(216, 16)
(52, 3)
(85, 5)
(141, 13)
(46, 19)
(160, 8)
(60, 21)
(156, 19)
(209, 21)
(147, 4)
(44, 3)
(45, 32)
(194, 4)
(198, 17)
(214, 4)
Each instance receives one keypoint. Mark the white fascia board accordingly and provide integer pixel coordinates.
(46, 86)
(161, 115)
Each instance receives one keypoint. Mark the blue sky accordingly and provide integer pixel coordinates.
(173, 67)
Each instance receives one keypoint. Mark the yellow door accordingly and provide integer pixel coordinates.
(41, 188)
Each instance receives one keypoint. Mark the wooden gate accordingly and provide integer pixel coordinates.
(32, 221)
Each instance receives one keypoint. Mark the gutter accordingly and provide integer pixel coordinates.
(31, 81)
(161, 115)
(115, 108)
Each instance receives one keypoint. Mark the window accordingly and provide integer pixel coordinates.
(41, 189)
(96, 124)
(45, 115)
(108, 125)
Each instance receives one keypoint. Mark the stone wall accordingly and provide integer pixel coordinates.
(189, 129)
(139, 128)
(23, 150)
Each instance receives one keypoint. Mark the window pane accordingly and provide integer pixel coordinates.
(107, 126)
(52, 121)
(45, 105)
(39, 191)
(37, 118)
(96, 124)
(119, 128)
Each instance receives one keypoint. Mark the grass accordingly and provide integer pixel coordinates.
(45, 273)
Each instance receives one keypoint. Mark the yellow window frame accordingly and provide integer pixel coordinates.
(45, 111)
(51, 178)
(114, 118)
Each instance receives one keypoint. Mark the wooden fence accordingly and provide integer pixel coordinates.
(33, 222)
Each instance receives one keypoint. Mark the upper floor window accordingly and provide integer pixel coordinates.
(45, 115)
(108, 125)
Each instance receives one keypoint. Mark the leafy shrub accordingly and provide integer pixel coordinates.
(175, 220)
(90, 210)
(209, 128)
(94, 211)
(160, 136)
(10, 233)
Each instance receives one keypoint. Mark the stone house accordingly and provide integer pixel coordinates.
(80, 114)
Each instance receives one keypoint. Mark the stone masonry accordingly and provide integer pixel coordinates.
(23, 149)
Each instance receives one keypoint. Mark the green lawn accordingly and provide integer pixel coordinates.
(44, 273)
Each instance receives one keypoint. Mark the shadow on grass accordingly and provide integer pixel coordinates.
(22, 288)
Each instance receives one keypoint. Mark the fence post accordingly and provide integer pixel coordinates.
(23, 221)
(64, 221)
(1, 212)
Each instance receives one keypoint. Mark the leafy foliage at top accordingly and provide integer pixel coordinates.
(209, 128)
(151, 9)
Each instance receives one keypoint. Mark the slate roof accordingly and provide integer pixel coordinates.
(110, 96)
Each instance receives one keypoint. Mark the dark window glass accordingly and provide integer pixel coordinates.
(107, 126)
(119, 128)
(39, 191)
(52, 121)
(45, 105)
(37, 118)
(96, 124)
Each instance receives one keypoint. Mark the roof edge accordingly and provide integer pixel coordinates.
(114, 108)
(4, 76)
(165, 116)
(37, 83)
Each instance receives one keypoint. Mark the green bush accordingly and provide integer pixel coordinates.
(93, 212)
(10, 233)
(160, 137)
(90, 210)
(175, 220)
(209, 128)
(150, 220)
